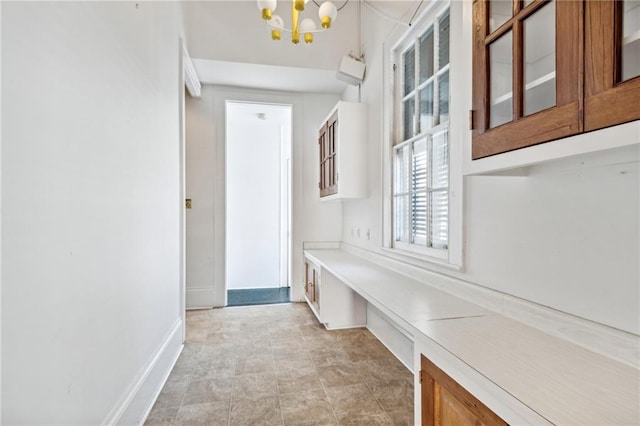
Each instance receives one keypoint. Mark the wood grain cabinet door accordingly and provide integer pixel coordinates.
(446, 403)
(328, 165)
(612, 63)
(527, 73)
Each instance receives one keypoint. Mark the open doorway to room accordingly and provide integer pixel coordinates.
(258, 203)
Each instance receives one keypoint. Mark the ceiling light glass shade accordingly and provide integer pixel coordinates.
(307, 27)
(327, 13)
(267, 7)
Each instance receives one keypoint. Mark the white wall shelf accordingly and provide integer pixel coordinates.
(597, 141)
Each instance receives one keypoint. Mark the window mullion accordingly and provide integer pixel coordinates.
(411, 194)
(429, 215)
(436, 67)
(416, 77)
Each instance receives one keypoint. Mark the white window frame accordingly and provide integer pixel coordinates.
(451, 257)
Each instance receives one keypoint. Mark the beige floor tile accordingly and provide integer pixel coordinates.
(162, 416)
(379, 372)
(397, 396)
(221, 367)
(401, 417)
(296, 383)
(257, 412)
(255, 365)
(302, 365)
(305, 408)
(339, 375)
(208, 414)
(329, 356)
(366, 417)
(254, 386)
(348, 398)
(171, 396)
(356, 405)
(202, 391)
(289, 351)
(272, 364)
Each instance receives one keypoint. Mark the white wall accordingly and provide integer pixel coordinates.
(311, 220)
(253, 200)
(200, 178)
(565, 237)
(91, 201)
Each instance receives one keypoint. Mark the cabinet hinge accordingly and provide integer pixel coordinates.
(471, 119)
(420, 377)
(394, 67)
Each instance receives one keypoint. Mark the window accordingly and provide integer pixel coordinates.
(420, 178)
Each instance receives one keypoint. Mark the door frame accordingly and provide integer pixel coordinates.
(221, 95)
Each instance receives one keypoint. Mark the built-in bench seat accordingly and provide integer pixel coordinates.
(523, 374)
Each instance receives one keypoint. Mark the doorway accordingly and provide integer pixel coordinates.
(258, 203)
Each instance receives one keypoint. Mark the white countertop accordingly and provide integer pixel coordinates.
(562, 382)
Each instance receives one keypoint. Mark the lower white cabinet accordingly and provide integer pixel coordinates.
(333, 303)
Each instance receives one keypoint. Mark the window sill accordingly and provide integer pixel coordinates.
(420, 260)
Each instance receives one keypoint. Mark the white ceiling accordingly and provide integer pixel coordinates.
(231, 45)
(245, 114)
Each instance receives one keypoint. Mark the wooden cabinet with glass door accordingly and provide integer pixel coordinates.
(445, 402)
(311, 284)
(612, 63)
(527, 67)
(327, 142)
(342, 148)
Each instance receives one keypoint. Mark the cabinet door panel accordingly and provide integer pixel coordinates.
(609, 98)
(445, 402)
(327, 142)
(543, 100)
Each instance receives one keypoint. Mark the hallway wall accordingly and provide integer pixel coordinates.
(91, 206)
(312, 220)
(564, 236)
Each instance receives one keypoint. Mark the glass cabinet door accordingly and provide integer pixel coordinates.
(630, 39)
(612, 67)
(526, 57)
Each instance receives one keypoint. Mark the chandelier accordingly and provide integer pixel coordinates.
(307, 27)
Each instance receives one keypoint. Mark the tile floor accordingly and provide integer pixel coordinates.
(276, 365)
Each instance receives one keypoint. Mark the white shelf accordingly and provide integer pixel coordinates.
(631, 55)
(627, 134)
(535, 83)
(631, 38)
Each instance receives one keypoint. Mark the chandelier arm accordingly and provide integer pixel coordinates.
(290, 31)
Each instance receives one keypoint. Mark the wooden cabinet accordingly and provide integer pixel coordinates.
(342, 152)
(327, 142)
(612, 63)
(312, 283)
(445, 402)
(548, 69)
(334, 303)
(527, 57)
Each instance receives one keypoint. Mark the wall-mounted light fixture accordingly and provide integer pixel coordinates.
(327, 12)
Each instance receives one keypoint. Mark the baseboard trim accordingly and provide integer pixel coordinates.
(136, 402)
